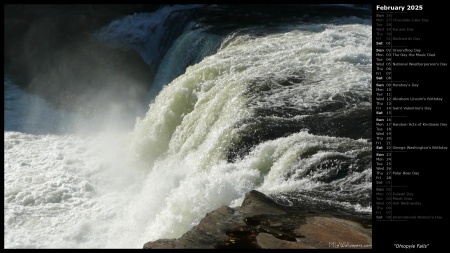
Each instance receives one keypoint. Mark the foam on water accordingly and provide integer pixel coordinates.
(203, 108)
(122, 190)
(61, 191)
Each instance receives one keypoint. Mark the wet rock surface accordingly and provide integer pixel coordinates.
(261, 223)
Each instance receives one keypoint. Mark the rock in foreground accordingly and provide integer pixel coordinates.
(261, 223)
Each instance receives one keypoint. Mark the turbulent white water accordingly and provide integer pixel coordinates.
(118, 189)
(188, 49)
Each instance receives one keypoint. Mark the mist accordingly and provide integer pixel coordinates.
(53, 57)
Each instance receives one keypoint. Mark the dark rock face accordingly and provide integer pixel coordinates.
(206, 234)
(50, 51)
(261, 223)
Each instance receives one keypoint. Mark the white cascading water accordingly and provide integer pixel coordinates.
(120, 190)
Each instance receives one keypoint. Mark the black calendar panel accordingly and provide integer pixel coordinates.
(410, 125)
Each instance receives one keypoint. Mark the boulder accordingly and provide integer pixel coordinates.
(261, 223)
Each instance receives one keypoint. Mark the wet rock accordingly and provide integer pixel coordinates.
(261, 223)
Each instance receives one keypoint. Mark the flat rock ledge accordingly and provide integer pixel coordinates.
(261, 223)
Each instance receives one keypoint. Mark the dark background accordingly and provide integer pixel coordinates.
(429, 187)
